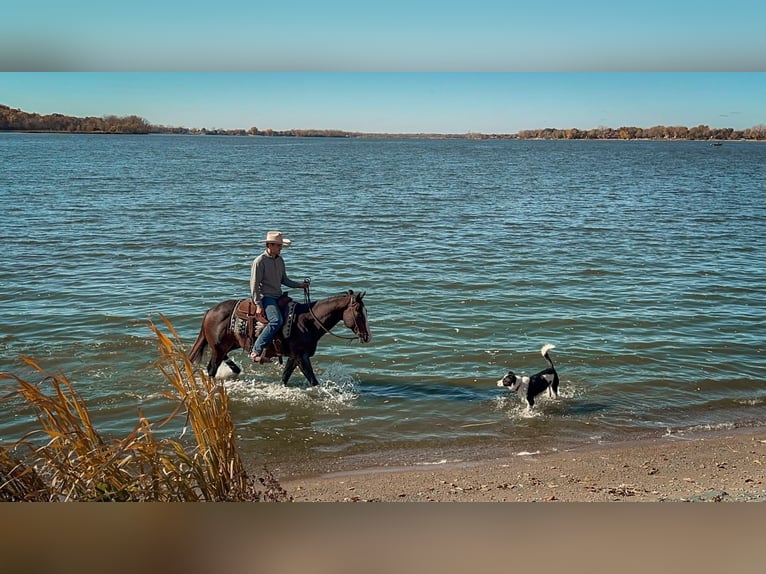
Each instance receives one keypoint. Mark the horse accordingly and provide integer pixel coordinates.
(312, 321)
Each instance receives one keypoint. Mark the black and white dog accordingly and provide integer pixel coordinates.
(530, 387)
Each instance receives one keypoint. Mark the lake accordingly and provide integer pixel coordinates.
(643, 262)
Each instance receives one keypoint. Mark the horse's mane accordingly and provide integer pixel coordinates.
(338, 296)
(325, 301)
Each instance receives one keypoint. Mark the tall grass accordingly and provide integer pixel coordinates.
(66, 459)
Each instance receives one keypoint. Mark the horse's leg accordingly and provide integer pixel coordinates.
(308, 370)
(216, 358)
(232, 365)
(292, 362)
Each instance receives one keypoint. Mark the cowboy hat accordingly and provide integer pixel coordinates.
(276, 237)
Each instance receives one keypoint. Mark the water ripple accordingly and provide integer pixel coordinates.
(641, 261)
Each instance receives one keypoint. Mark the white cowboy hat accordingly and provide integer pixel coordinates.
(276, 237)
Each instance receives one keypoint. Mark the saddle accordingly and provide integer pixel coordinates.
(247, 309)
(247, 323)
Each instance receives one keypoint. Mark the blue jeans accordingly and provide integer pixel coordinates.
(274, 315)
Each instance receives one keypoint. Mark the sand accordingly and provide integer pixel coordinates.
(714, 467)
(351, 538)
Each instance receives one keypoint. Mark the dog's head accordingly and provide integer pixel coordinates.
(512, 381)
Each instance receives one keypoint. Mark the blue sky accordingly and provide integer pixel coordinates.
(395, 66)
(448, 102)
(395, 35)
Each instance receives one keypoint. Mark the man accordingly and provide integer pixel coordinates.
(267, 276)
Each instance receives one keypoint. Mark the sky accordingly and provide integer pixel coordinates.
(390, 35)
(413, 102)
(395, 66)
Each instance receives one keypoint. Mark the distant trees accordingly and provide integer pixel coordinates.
(126, 124)
(17, 120)
(701, 132)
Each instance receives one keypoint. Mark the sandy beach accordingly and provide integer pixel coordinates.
(712, 467)
(445, 538)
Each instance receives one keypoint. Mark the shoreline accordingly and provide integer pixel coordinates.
(714, 466)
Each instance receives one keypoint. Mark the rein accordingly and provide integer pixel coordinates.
(307, 298)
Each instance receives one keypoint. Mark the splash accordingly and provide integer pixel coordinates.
(515, 408)
(337, 389)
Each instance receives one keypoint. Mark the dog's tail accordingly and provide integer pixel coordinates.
(544, 353)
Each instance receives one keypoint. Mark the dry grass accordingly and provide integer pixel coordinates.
(76, 463)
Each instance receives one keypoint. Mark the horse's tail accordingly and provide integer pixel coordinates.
(544, 353)
(199, 345)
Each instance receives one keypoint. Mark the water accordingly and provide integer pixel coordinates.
(643, 262)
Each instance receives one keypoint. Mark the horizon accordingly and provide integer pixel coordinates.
(330, 132)
(403, 103)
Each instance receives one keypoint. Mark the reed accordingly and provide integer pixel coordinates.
(75, 463)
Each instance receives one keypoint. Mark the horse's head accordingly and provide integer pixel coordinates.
(355, 316)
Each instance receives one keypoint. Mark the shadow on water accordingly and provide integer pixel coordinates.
(579, 408)
(427, 391)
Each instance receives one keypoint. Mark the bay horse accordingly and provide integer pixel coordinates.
(312, 321)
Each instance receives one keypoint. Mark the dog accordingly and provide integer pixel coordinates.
(530, 387)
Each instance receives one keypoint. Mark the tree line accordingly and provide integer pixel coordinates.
(700, 132)
(18, 120)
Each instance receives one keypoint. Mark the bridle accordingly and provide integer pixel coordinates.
(307, 298)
